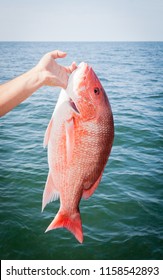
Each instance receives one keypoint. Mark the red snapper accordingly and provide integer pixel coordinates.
(79, 138)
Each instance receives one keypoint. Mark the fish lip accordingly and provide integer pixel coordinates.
(73, 106)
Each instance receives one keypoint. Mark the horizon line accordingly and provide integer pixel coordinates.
(82, 41)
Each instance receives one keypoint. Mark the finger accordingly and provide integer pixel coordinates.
(71, 68)
(57, 54)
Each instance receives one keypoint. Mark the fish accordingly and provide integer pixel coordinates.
(79, 139)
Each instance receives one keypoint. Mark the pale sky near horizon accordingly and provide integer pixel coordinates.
(81, 20)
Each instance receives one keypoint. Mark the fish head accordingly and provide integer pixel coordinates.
(87, 95)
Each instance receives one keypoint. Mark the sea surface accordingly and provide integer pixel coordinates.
(124, 217)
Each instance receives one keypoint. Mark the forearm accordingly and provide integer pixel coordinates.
(17, 90)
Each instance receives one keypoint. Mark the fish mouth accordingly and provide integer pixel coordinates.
(73, 106)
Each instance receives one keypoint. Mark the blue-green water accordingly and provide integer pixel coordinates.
(124, 217)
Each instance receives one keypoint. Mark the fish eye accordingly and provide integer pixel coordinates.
(96, 91)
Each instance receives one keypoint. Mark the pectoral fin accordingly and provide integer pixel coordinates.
(69, 126)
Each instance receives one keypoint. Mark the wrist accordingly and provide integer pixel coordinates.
(38, 76)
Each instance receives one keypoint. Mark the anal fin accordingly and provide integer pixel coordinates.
(88, 192)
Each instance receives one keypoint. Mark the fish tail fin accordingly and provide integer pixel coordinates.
(71, 222)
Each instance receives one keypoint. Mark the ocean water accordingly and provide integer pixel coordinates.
(124, 217)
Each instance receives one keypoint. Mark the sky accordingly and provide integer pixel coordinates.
(81, 20)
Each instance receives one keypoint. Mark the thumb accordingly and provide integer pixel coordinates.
(57, 54)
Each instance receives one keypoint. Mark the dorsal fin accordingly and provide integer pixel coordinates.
(47, 132)
(50, 193)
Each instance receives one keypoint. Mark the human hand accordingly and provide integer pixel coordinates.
(52, 73)
(46, 72)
